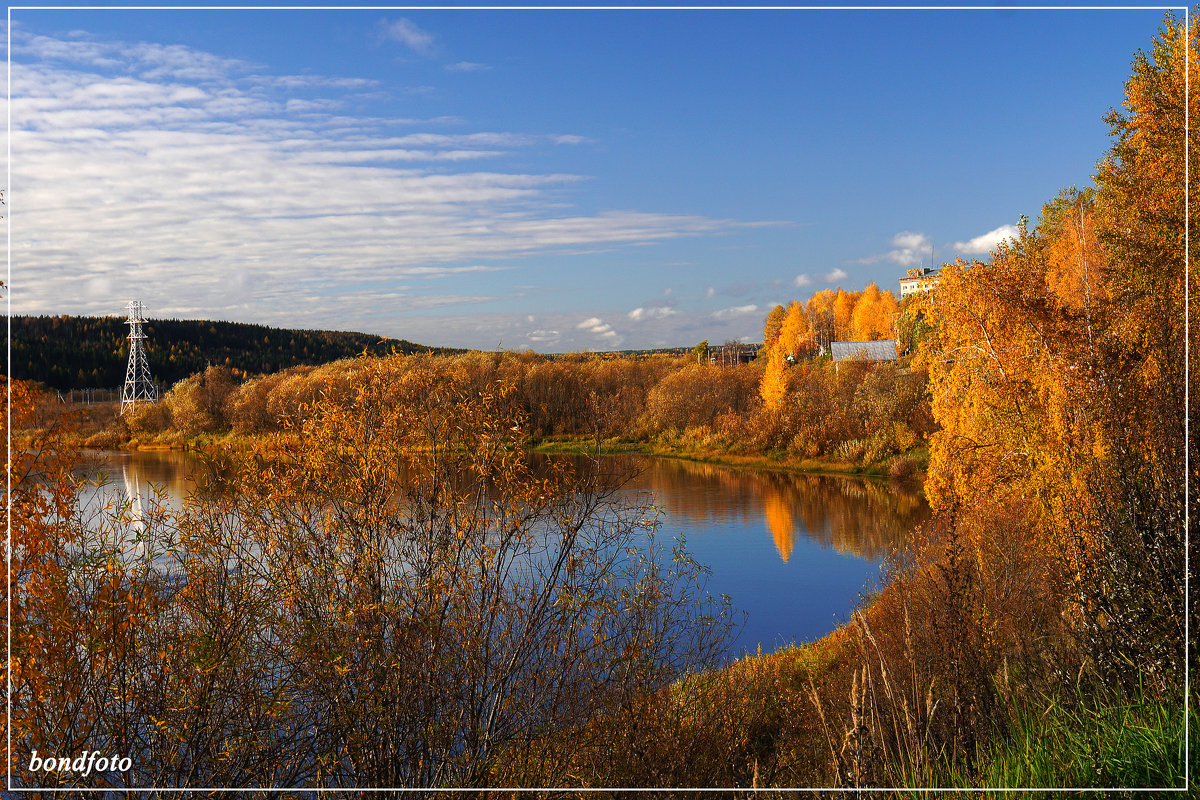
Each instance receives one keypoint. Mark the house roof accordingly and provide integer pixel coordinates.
(884, 350)
(927, 275)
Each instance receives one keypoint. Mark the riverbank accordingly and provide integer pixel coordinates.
(106, 432)
(767, 688)
(914, 461)
(797, 716)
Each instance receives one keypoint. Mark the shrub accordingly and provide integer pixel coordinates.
(150, 417)
(902, 469)
(697, 394)
(412, 605)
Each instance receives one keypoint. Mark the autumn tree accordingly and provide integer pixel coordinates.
(773, 387)
(393, 595)
(821, 317)
(912, 321)
(843, 309)
(771, 326)
(125, 643)
(1057, 373)
(506, 604)
(874, 315)
(793, 330)
(1141, 223)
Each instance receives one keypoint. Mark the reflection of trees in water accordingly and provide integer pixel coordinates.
(778, 514)
(861, 517)
(168, 471)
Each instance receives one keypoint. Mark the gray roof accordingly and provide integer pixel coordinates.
(884, 350)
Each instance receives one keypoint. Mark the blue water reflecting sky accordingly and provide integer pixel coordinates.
(793, 552)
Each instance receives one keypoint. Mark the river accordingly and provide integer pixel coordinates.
(794, 552)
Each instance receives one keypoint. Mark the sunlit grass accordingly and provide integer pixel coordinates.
(1095, 740)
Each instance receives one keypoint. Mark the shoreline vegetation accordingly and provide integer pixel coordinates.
(552, 445)
(1031, 635)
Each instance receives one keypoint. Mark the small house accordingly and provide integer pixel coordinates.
(917, 281)
(882, 350)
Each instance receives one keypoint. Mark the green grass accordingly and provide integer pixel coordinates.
(1096, 741)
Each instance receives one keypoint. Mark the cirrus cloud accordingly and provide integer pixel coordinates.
(211, 187)
(407, 33)
(735, 311)
(467, 66)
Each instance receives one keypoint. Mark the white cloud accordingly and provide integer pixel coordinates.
(735, 311)
(595, 325)
(99, 286)
(467, 66)
(987, 242)
(408, 34)
(909, 240)
(314, 82)
(909, 250)
(543, 336)
(710, 292)
(442, 272)
(598, 327)
(801, 280)
(298, 105)
(834, 275)
(659, 312)
(177, 170)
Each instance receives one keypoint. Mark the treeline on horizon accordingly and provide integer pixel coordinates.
(860, 412)
(872, 415)
(67, 352)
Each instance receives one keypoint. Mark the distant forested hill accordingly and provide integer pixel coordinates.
(76, 352)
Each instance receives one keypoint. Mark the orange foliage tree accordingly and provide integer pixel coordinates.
(828, 316)
(793, 331)
(843, 309)
(771, 326)
(396, 597)
(1057, 373)
(874, 315)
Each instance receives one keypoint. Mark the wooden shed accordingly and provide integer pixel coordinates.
(882, 350)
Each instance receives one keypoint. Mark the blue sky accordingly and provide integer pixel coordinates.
(560, 180)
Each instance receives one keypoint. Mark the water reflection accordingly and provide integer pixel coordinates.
(793, 551)
(140, 473)
(863, 518)
(137, 512)
(126, 499)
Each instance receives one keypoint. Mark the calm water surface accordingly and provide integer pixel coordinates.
(794, 552)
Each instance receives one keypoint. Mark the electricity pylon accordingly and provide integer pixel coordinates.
(138, 385)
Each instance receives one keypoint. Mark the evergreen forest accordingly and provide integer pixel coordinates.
(66, 352)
